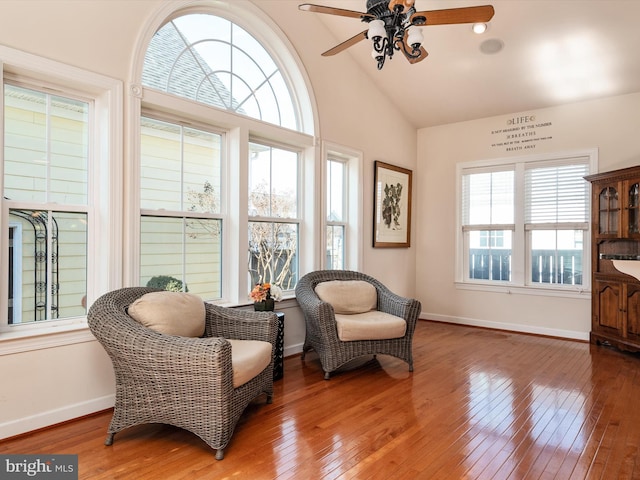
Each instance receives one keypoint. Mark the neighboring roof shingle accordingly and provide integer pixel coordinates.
(171, 66)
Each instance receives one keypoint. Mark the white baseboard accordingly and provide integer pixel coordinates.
(52, 417)
(512, 327)
(292, 350)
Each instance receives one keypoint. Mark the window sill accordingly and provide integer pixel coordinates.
(287, 302)
(580, 293)
(30, 339)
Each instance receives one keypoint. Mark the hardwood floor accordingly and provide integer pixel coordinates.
(481, 404)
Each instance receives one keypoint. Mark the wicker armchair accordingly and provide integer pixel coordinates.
(321, 331)
(181, 381)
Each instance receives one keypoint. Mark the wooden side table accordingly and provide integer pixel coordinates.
(278, 361)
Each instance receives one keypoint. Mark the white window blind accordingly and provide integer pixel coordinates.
(557, 194)
(488, 198)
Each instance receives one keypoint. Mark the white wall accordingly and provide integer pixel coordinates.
(51, 385)
(610, 125)
(354, 114)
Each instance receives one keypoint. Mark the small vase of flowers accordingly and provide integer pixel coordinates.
(264, 296)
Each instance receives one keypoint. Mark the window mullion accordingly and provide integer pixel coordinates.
(183, 246)
(520, 249)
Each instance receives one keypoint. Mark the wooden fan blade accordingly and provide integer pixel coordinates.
(450, 16)
(411, 58)
(308, 7)
(423, 55)
(346, 44)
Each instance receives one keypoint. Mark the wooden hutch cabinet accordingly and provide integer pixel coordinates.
(615, 235)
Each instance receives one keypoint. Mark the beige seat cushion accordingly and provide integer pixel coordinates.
(348, 296)
(372, 325)
(172, 313)
(249, 358)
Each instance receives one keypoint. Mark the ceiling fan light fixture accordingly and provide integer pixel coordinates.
(415, 38)
(376, 30)
(394, 26)
(479, 28)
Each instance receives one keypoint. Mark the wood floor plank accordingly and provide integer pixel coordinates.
(485, 424)
(629, 468)
(545, 410)
(480, 404)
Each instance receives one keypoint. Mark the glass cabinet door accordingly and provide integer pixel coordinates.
(634, 205)
(608, 211)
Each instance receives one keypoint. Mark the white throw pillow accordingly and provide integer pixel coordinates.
(172, 313)
(348, 296)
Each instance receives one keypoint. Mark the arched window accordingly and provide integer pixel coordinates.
(224, 123)
(213, 61)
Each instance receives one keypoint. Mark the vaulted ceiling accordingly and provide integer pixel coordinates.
(553, 52)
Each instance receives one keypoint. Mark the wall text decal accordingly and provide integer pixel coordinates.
(523, 132)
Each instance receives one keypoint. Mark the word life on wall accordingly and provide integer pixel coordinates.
(521, 133)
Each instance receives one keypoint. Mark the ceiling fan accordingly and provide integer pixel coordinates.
(389, 23)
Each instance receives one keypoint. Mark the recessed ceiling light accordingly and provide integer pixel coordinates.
(479, 28)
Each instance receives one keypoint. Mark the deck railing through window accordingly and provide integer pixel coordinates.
(547, 266)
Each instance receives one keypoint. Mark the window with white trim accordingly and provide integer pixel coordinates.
(252, 211)
(342, 198)
(336, 219)
(488, 221)
(180, 200)
(524, 221)
(273, 215)
(55, 167)
(556, 221)
(45, 191)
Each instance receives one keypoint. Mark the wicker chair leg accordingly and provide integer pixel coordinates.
(269, 399)
(411, 367)
(326, 375)
(109, 440)
(220, 454)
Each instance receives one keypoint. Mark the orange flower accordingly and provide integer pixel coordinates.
(260, 292)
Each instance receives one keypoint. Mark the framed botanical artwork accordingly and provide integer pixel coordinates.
(391, 206)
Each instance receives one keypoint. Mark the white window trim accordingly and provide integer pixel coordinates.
(106, 173)
(353, 200)
(518, 284)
